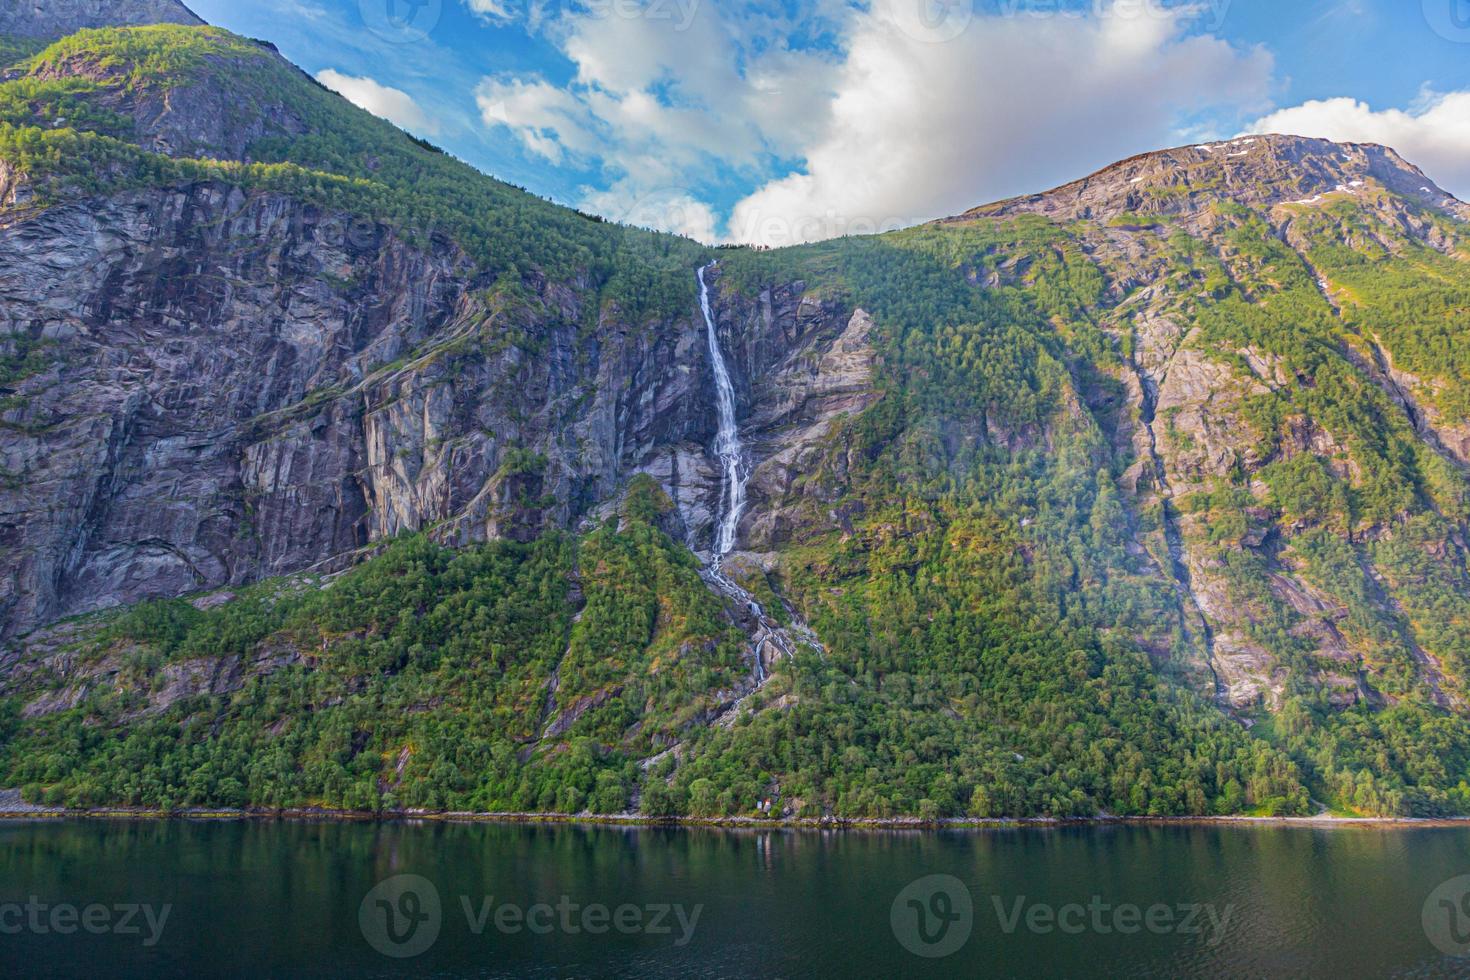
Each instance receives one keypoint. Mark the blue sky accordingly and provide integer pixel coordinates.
(786, 120)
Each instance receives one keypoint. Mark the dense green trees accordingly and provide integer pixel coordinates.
(422, 678)
(463, 681)
(951, 684)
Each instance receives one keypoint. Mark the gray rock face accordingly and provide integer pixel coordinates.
(147, 455)
(805, 398)
(58, 18)
(236, 386)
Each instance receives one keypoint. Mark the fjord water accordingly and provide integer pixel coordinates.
(284, 899)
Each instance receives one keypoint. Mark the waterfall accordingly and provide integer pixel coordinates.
(727, 442)
(768, 634)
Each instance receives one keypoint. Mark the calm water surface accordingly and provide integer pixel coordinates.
(298, 899)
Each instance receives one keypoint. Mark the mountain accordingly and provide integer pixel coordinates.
(52, 19)
(338, 473)
(1296, 383)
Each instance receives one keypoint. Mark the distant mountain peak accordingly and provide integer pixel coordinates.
(58, 18)
(1257, 171)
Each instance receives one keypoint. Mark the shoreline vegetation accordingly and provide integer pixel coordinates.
(11, 810)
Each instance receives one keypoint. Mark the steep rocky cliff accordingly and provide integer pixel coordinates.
(230, 385)
(226, 383)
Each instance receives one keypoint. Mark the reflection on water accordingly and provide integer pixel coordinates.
(293, 899)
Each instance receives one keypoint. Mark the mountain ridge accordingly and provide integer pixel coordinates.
(1267, 169)
(51, 19)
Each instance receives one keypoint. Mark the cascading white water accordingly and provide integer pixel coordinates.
(770, 635)
(727, 441)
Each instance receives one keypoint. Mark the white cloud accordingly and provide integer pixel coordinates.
(394, 105)
(1010, 105)
(695, 80)
(863, 117)
(549, 121)
(665, 209)
(1433, 135)
(492, 10)
(665, 95)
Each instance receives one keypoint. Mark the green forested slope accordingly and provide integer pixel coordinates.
(315, 146)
